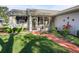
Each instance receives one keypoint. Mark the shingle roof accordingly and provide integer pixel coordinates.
(34, 12)
(69, 10)
(44, 12)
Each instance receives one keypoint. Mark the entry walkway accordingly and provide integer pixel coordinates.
(71, 47)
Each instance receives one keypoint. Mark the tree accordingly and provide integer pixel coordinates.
(3, 13)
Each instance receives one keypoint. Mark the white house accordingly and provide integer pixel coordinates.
(32, 19)
(37, 19)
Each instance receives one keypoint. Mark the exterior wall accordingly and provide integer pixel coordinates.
(59, 22)
(24, 25)
(12, 21)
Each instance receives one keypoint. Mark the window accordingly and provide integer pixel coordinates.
(67, 17)
(21, 19)
(73, 19)
(40, 20)
(0, 21)
(64, 20)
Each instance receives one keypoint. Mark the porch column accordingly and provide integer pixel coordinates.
(37, 23)
(49, 18)
(30, 23)
(43, 23)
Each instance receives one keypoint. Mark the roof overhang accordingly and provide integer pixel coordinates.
(69, 10)
(32, 12)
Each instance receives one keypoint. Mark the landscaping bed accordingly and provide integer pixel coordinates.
(71, 38)
(29, 43)
(68, 37)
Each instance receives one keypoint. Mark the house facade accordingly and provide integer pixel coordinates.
(32, 19)
(42, 20)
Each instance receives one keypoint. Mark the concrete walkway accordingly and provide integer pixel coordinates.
(71, 47)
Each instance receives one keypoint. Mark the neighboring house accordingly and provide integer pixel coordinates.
(42, 20)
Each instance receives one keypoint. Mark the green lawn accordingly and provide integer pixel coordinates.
(30, 43)
(72, 39)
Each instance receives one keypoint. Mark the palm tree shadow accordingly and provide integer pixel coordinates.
(28, 47)
(2, 45)
(8, 46)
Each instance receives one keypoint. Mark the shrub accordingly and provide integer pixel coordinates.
(65, 32)
(66, 28)
(9, 29)
(54, 31)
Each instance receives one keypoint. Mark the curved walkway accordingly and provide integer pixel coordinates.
(71, 47)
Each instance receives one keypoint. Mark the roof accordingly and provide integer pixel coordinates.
(69, 10)
(42, 12)
(17, 12)
(33, 12)
(36, 12)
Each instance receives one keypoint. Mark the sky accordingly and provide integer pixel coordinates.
(48, 7)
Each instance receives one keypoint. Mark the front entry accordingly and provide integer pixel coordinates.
(40, 23)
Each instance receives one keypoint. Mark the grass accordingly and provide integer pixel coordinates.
(72, 39)
(43, 45)
(29, 43)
